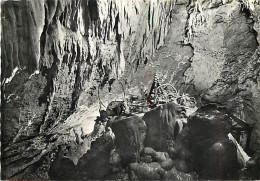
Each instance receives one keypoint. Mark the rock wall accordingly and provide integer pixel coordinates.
(56, 54)
(59, 49)
(212, 52)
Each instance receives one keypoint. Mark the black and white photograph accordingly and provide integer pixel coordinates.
(130, 90)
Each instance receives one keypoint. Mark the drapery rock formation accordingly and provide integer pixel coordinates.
(57, 54)
(131, 144)
(162, 125)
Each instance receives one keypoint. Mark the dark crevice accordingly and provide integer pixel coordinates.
(88, 60)
(149, 16)
(99, 29)
(77, 88)
(256, 35)
(249, 16)
(73, 59)
(49, 74)
(154, 36)
(137, 64)
(106, 30)
(146, 60)
(189, 12)
(43, 36)
(116, 23)
(110, 82)
(86, 15)
(78, 59)
(65, 15)
(110, 22)
(93, 10)
(61, 18)
(136, 10)
(244, 10)
(74, 24)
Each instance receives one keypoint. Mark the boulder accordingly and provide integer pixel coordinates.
(145, 171)
(208, 124)
(219, 161)
(148, 151)
(181, 165)
(129, 136)
(205, 146)
(153, 165)
(62, 168)
(167, 164)
(161, 125)
(146, 159)
(95, 164)
(160, 156)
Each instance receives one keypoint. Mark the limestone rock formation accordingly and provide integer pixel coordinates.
(162, 125)
(56, 55)
(129, 137)
(213, 156)
(95, 163)
(62, 168)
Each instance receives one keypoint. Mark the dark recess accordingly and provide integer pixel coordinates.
(244, 10)
(93, 10)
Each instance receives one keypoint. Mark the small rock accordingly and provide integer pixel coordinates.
(129, 136)
(181, 165)
(147, 159)
(145, 171)
(160, 156)
(168, 164)
(148, 151)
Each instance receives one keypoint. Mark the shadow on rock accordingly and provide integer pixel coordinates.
(251, 171)
(204, 147)
(92, 165)
(62, 168)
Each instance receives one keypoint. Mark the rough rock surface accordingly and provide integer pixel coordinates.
(92, 165)
(129, 137)
(95, 163)
(213, 156)
(155, 171)
(211, 51)
(57, 54)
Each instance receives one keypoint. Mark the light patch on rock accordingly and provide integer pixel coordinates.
(242, 155)
(7, 80)
(35, 73)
